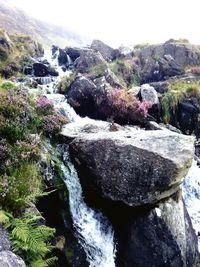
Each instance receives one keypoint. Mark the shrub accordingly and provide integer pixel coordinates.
(127, 107)
(65, 82)
(52, 124)
(19, 186)
(97, 70)
(29, 238)
(44, 105)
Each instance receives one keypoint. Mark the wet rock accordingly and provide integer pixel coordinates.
(52, 71)
(73, 52)
(40, 69)
(136, 167)
(62, 57)
(161, 236)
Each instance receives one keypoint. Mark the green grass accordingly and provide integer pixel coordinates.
(177, 92)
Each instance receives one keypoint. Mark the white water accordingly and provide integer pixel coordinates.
(191, 195)
(95, 234)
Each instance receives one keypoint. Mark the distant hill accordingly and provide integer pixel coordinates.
(15, 20)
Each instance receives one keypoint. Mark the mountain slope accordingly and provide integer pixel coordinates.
(15, 20)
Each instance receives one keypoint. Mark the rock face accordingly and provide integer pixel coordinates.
(39, 69)
(8, 258)
(106, 51)
(184, 54)
(136, 167)
(160, 69)
(89, 59)
(162, 236)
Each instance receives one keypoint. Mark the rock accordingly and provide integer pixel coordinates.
(184, 54)
(40, 69)
(80, 96)
(73, 52)
(4, 241)
(113, 80)
(9, 259)
(160, 69)
(160, 87)
(149, 94)
(52, 71)
(89, 61)
(136, 167)
(162, 236)
(106, 51)
(134, 90)
(62, 57)
(28, 70)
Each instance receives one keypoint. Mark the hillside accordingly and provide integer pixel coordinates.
(15, 20)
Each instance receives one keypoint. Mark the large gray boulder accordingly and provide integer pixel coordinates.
(107, 52)
(136, 167)
(4, 241)
(90, 61)
(161, 236)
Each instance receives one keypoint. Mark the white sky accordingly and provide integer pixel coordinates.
(119, 22)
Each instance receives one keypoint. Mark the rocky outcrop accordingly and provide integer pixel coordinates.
(160, 69)
(88, 60)
(142, 167)
(8, 258)
(106, 51)
(39, 69)
(184, 54)
(161, 236)
(73, 52)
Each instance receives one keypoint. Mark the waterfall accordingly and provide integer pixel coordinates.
(95, 234)
(191, 195)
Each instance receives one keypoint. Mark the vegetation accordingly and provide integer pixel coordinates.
(66, 82)
(124, 70)
(24, 122)
(16, 52)
(30, 239)
(177, 92)
(195, 70)
(98, 70)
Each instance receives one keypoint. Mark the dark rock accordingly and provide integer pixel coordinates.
(136, 167)
(88, 60)
(162, 236)
(62, 57)
(160, 87)
(40, 69)
(160, 69)
(28, 70)
(73, 52)
(54, 49)
(52, 71)
(106, 51)
(80, 96)
(188, 111)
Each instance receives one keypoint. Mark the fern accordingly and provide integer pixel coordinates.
(29, 239)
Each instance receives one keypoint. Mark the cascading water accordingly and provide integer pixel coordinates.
(95, 234)
(191, 195)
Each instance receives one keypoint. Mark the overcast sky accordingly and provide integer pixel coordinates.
(122, 21)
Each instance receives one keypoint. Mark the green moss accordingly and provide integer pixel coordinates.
(177, 92)
(65, 82)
